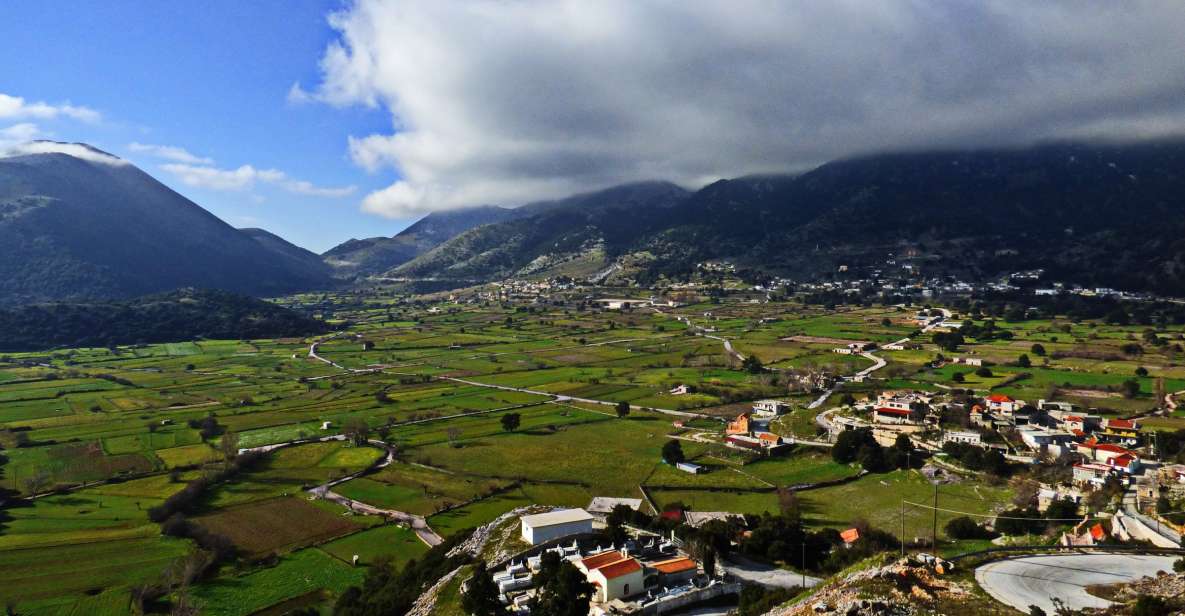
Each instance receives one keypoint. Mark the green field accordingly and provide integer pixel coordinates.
(133, 415)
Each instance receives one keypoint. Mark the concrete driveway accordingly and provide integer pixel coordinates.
(1035, 580)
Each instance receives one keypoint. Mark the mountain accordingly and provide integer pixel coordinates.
(578, 235)
(298, 257)
(78, 223)
(1096, 214)
(376, 255)
(180, 315)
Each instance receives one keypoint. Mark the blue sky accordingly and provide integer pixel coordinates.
(213, 79)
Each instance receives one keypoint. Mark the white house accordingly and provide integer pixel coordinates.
(955, 436)
(770, 408)
(544, 527)
(614, 575)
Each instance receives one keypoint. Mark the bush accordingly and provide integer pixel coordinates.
(966, 528)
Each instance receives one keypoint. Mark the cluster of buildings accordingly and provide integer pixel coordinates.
(750, 430)
(644, 575)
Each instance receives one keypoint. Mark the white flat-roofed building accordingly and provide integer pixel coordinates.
(602, 506)
(544, 527)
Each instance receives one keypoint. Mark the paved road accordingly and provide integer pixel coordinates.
(765, 575)
(1035, 580)
(1129, 508)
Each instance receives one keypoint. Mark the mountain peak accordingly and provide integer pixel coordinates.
(82, 151)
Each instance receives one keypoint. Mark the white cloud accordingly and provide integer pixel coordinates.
(504, 102)
(169, 152)
(18, 134)
(15, 107)
(246, 177)
(77, 150)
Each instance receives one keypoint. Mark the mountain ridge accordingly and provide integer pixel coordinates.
(87, 228)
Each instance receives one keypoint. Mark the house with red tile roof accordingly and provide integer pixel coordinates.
(614, 575)
(900, 417)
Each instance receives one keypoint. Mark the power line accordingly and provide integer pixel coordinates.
(1002, 517)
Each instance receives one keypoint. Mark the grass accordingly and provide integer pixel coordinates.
(388, 541)
(298, 574)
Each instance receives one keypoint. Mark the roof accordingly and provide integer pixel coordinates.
(1094, 467)
(676, 565)
(850, 535)
(1109, 448)
(1126, 424)
(620, 568)
(1098, 532)
(769, 436)
(889, 411)
(999, 398)
(1123, 460)
(1074, 418)
(605, 504)
(976, 409)
(697, 518)
(600, 560)
(554, 518)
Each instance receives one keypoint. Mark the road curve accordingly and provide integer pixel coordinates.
(1036, 580)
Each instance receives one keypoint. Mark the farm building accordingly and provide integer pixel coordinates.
(602, 506)
(688, 467)
(544, 527)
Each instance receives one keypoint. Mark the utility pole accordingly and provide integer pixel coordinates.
(803, 570)
(934, 533)
(903, 528)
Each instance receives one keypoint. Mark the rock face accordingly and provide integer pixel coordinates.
(77, 223)
(901, 588)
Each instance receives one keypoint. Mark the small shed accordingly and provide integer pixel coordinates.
(688, 467)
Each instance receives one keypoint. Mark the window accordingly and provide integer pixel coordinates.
(626, 591)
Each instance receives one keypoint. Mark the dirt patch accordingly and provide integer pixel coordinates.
(277, 524)
(1087, 393)
(824, 340)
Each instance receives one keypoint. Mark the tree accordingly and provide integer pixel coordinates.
(983, 372)
(958, 377)
(481, 593)
(511, 421)
(1141, 371)
(848, 443)
(672, 452)
(563, 589)
(357, 430)
(229, 446)
(454, 435)
(964, 527)
(1130, 388)
(752, 365)
(623, 409)
(872, 457)
(1038, 350)
(788, 504)
(1023, 361)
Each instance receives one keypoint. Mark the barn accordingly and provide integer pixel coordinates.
(544, 527)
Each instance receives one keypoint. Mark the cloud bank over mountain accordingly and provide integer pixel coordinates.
(501, 102)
